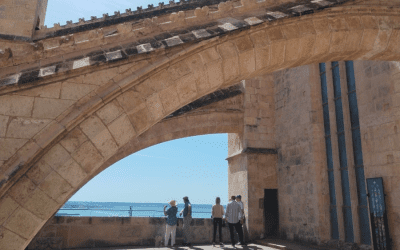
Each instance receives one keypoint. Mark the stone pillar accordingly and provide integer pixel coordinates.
(303, 191)
(18, 19)
(252, 154)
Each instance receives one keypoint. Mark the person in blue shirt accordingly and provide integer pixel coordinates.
(187, 219)
(171, 222)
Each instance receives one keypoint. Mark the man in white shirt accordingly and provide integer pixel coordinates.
(232, 216)
(241, 215)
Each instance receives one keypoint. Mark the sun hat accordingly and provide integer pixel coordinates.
(173, 203)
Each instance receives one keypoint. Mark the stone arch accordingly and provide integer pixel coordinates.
(146, 93)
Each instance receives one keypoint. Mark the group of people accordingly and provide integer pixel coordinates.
(234, 216)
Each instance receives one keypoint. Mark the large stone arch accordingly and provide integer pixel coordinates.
(140, 97)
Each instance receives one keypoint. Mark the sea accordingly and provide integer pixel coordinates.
(126, 209)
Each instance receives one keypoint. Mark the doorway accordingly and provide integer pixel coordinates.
(271, 212)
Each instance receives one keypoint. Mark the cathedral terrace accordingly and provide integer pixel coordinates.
(307, 90)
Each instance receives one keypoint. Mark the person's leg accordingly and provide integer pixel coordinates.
(231, 233)
(167, 233)
(219, 230)
(239, 230)
(173, 234)
(189, 230)
(184, 229)
(215, 229)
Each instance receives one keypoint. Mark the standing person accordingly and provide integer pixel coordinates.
(232, 217)
(171, 222)
(217, 213)
(187, 219)
(241, 215)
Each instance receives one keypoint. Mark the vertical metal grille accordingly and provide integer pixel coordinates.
(358, 155)
(379, 220)
(331, 179)
(344, 172)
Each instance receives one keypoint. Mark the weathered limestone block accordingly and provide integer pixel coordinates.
(122, 130)
(9, 146)
(140, 119)
(110, 112)
(230, 61)
(261, 48)
(49, 108)
(155, 107)
(38, 172)
(71, 172)
(186, 88)
(46, 91)
(178, 17)
(73, 140)
(40, 204)
(22, 190)
(25, 128)
(23, 222)
(202, 12)
(74, 91)
(56, 187)
(10, 240)
(105, 143)
(88, 157)
(131, 101)
(14, 105)
(3, 125)
(150, 26)
(7, 207)
(225, 7)
(169, 99)
(247, 61)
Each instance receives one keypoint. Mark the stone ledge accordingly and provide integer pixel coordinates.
(249, 150)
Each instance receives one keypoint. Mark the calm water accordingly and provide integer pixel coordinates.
(121, 209)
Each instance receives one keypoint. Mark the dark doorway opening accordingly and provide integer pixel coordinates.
(271, 212)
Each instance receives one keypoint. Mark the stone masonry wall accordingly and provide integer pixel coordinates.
(378, 96)
(300, 160)
(87, 232)
(18, 18)
(252, 162)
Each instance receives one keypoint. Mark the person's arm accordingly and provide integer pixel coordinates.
(180, 214)
(165, 213)
(212, 211)
(190, 209)
(228, 211)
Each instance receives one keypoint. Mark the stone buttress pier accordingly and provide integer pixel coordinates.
(252, 153)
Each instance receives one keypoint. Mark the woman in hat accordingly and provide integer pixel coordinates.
(171, 222)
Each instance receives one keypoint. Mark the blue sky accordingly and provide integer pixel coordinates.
(61, 11)
(194, 166)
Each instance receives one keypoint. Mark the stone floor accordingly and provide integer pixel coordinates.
(264, 245)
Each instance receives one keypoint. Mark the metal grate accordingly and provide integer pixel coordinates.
(379, 225)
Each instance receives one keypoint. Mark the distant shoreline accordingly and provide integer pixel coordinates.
(126, 209)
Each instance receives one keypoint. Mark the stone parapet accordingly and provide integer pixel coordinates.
(64, 232)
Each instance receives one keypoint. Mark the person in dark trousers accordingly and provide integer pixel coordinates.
(217, 214)
(187, 219)
(232, 216)
(241, 216)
